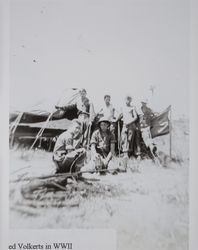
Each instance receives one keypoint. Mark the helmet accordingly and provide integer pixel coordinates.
(104, 119)
(144, 101)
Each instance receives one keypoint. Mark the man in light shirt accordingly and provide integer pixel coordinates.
(131, 130)
(69, 154)
(107, 110)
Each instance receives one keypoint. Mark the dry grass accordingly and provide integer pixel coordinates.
(148, 207)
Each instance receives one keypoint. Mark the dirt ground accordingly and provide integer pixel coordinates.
(148, 208)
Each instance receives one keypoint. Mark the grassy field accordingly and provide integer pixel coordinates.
(148, 208)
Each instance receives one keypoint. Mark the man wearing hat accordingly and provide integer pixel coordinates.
(147, 112)
(102, 144)
(69, 155)
(145, 126)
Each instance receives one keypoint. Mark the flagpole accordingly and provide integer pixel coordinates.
(170, 127)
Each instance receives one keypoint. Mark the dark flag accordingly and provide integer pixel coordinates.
(160, 124)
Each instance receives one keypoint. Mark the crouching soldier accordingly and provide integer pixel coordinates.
(69, 155)
(102, 145)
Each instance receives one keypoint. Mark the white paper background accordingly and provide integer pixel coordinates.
(106, 46)
(4, 98)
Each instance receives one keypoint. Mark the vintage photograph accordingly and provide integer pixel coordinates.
(99, 119)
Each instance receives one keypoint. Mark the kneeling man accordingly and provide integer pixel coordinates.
(69, 155)
(102, 145)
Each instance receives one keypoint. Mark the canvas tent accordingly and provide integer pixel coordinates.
(26, 124)
(42, 110)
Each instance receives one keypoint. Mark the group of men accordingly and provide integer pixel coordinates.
(70, 151)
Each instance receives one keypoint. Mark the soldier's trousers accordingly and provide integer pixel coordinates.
(72, 162)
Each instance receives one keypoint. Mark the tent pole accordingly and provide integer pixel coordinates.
(89, 135)
(119, 139)
(13, 129)
(92, 115)
(41, 130)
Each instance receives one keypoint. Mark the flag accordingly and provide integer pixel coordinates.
(160, 124)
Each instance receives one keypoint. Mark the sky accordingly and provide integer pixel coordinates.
(115, 47)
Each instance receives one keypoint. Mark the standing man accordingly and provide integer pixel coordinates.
(131, 130)
(102, 145)
(85, 112)
(146, 127)
(147, 113)
(107, 110)
(69, 155)
(83, 107)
